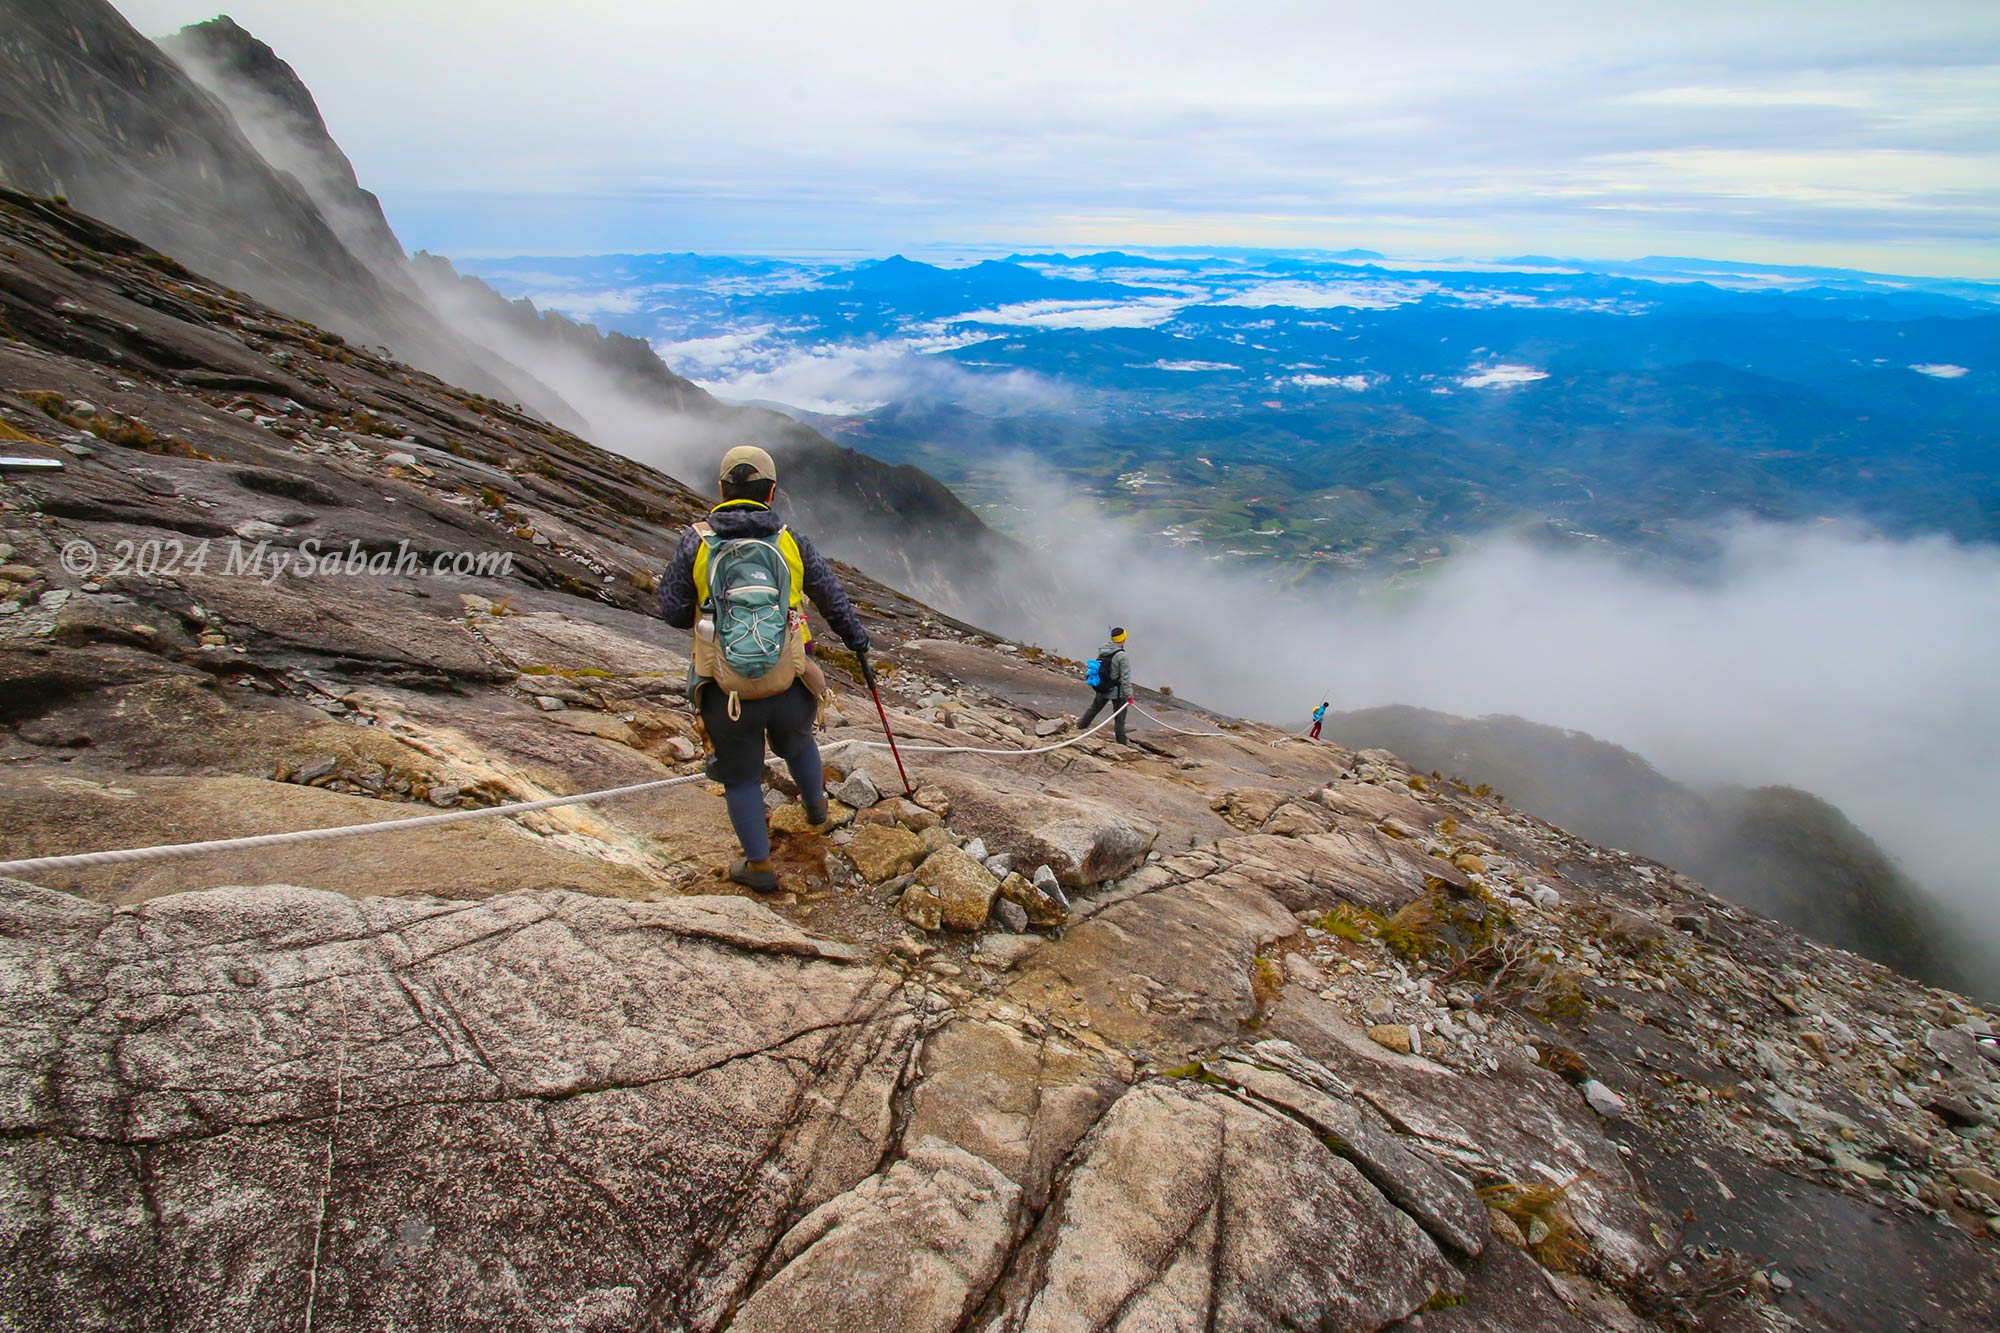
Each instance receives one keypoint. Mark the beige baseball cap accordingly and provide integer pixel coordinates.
(761, 466)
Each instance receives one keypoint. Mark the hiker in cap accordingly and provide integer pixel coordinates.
(1319, 716)
(1111, 673)
(737, 581)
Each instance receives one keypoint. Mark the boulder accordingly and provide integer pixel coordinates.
(1398, 1037)
(858, 791)
(1010, 916)
(1037, 905)
(898, 812)
(1083, 842)
(922, 907)
(882, 852)
(963, 887)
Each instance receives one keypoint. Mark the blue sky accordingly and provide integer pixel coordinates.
(1853, 134)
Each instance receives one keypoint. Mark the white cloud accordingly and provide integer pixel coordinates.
(722, 353)
(1488, 300)
(1352, 383)
(1189, 365)
(847, 379)
(1502, 376)
(589, 305)
(1144, 313)
(1940, 370)
(1358, 295)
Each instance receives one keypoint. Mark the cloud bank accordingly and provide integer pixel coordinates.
(1853, 666)
(759, 364)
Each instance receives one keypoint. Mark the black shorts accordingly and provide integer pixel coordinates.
(784, 720)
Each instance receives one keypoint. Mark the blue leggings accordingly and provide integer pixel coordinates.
(786, 722)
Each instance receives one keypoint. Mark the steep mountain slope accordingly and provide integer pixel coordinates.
(1775, 849)
(899, 523)
(1317, 1042)
(91, 110)
(236, 175)
(276, 111)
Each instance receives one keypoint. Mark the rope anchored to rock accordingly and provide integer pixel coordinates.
(1109, 718)
(167, 851)
(1171, 727)
(161, 853)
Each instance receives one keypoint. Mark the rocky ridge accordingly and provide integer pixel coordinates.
(210, 147)
(1223, 1029)
(1782, 851)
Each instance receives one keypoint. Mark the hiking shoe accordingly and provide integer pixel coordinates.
(764, 881)
(818, 816)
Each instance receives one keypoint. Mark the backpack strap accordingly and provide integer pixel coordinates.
(704, 533)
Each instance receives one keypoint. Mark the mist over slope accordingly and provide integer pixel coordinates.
(1850, 665)
(1777, 849)
(93, 111)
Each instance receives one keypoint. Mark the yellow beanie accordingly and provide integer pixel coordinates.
(1119, 637)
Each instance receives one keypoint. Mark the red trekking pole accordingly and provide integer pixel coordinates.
(868, 674)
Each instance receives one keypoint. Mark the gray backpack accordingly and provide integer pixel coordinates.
(749, 641)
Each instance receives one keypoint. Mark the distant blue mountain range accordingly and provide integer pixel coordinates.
(1346, 410)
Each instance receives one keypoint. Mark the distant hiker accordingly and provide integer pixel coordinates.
(1319, 716)
(736, 581)
(1110, 673)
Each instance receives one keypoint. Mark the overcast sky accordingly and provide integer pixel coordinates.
(1862, 134)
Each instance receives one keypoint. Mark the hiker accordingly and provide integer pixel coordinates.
(1111, 673)
(742, 573)
(1319, 716)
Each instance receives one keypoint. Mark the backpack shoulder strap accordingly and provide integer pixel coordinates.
(704, 549)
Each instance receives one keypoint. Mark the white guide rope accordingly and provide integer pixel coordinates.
(123, 856)
(129, 854)
(1171, 727)
(1109, 718)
